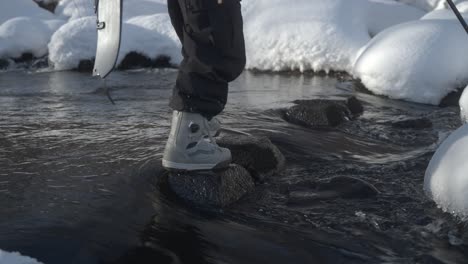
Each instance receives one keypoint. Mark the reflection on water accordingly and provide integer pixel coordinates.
(81, 182)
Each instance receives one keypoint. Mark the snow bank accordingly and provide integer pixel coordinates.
(76, 9)
(16, 258)
(420, 61)
(152, 36)
(307, 35)
(446, 180)
(26, 35)
(74, 41)
(25, 28)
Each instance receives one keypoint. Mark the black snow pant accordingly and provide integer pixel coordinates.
(213, 49)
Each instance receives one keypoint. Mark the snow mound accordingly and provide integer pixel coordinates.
(25, 35)
(307, 35)
(22, 8)
(420, 61)
(74, 9)
(446, 180)
(152, 36)
(16, 258)
(73, 42)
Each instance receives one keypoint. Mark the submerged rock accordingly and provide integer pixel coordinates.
(349, 187)
(137, 60)
(338, 187)
(86, 66)
(413, 123)
(212, 188)
(4, 64)
(451, 99)
(26, 57)
(252, 157)
(256, 154)
(319, 113)
(41, 63)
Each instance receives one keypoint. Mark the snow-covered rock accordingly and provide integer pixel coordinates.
(26, 35)
(151, 36)
(74, 41)
(76, 9)
(307, 35)
(154, 37)
(446, 180)
(420, 61)
(16, 258)
(464, 106)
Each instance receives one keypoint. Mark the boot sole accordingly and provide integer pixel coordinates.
(194, 167)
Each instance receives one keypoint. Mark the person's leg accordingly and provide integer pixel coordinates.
(214, 54)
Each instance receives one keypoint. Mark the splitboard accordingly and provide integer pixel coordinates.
(109, 30)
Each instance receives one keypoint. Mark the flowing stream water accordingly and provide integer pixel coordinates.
(79, 176)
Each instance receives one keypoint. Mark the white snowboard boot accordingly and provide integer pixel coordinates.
(191, 146)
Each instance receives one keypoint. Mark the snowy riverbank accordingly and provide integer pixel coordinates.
(410, 52)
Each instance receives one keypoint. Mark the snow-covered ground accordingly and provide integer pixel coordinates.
(15, 258)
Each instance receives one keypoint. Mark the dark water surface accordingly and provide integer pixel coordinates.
(80, 177)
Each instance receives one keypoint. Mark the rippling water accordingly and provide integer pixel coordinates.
(80, 177)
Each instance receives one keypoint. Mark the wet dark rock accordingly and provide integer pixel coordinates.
(413, 123)
(146, 255)
(256, 154)
(338, 187)
(451, 99)
(86, 66)
(135, 60)
(26, 57)
(41, 63)
(47, 5)
(354, 106)
(428, 259)
(319, 113)
(212, 188)
(424, 221)
(4, 64)
(161, 62)
(349, 187)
